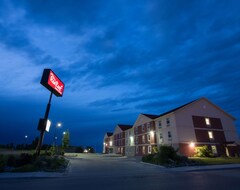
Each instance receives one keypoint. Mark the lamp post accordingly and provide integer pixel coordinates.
(26, 141)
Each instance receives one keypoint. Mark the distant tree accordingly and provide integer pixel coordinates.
(79, 149)
(66, 140)
(34, 143)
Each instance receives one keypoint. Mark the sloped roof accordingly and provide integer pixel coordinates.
(151, 116)
(180, 107)
(175, 109)
(124, 127)
(109, 134)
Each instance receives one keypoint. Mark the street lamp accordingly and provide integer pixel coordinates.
(58, 125)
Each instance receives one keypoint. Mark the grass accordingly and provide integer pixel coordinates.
(215, 161)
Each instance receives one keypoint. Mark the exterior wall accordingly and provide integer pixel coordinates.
(191, 127)
(144, 135)
(108, 144)
(163, 130)
(202, 108)
(129, 142)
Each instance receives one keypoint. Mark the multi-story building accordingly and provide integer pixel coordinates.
(195, 124)
(119, 139)
(108, 143)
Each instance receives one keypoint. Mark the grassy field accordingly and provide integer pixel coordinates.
(216, 161)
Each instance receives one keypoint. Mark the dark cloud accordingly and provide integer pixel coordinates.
(128, 57)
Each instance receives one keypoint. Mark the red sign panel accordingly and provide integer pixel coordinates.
(52, 82)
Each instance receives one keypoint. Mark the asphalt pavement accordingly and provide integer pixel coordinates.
(91, 171)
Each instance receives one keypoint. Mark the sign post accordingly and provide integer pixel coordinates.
(55, 86)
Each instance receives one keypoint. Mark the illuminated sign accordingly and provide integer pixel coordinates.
(52, 82)
(44, 125)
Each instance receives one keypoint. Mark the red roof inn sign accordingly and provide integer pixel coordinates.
(52, 82)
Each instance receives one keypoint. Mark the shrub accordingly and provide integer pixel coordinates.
(166, 154)
(149, 158)
(203, 151)
(11, 161)
(2, 163)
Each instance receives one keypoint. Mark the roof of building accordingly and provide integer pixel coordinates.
(124, 127)
(151, 116)
(180, 107)
(109, 134)
(175, 109)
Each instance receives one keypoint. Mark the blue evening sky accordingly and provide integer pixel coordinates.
(117, 58)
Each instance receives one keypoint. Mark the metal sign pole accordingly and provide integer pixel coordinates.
(38, 149)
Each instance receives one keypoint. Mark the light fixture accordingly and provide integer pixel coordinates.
(192, 145)
(152, 133)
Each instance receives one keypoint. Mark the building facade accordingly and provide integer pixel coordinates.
(192, 125)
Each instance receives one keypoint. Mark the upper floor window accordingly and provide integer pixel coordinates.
(143, 128)
(148, 127)
(136, 130)
(207, 121)
(169, 135)
(210, 135)
(160, 124)
(168, 121)
(136, 140)
(149, 137)
(143, 139)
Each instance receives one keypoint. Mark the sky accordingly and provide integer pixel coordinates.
(117, 58)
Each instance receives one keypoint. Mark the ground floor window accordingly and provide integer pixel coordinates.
(149, 149)
(143, 149)
(214, 149)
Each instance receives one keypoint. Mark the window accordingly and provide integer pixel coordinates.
(214, 149)
(148, 137)
(143, 127)
(210, 135)
(168, 121)
(148, 127)
(161, 137)
(136, 149)
(160, 124)
(207, 121)
(110, 143)
(169, 135)
(136, 130)
(143, 139)
(136, 140)
(149, 149)
(143, 149)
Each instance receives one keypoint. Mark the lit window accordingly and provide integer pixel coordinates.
(148, 127)
(110, 143)
(143, 149)
(168, 121)
(214, 149)
(149, 138)
(160, 124)
(210, 135)
(149, 149)
(143, 127)
(207, 121)
(143, 139)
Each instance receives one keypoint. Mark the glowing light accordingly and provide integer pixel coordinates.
(192, 145)
(26, 136)
(59, 124)
(152, 133)
(110, 143)
(48, 125)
